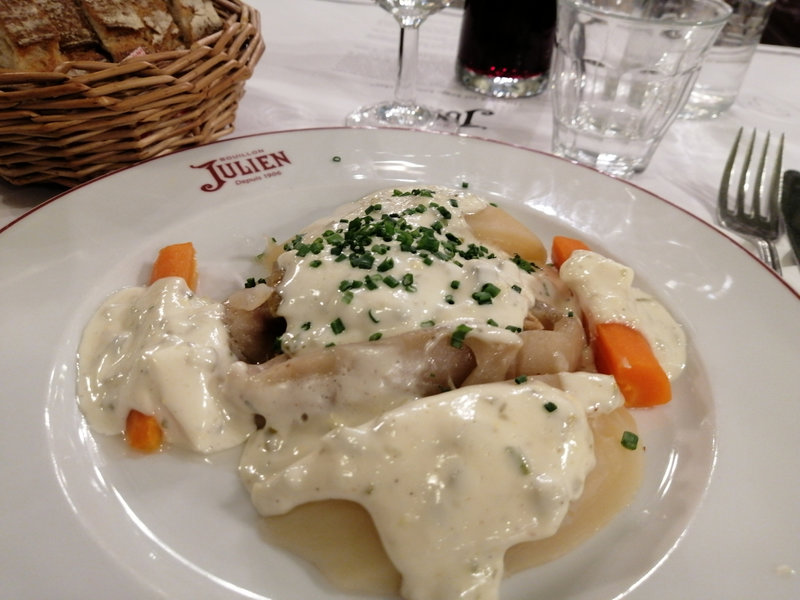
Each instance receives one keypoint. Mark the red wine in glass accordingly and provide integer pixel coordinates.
(506, 46)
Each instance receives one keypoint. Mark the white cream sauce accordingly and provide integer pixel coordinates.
(161, 350)
(606, 294)
(311, 290)
(452, 481)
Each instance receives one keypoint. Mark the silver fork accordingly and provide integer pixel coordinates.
(760, 221)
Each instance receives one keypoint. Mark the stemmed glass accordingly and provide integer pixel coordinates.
(404, 111)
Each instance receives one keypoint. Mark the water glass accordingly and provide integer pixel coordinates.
(622, 69)
(727, 61)
(505, 47)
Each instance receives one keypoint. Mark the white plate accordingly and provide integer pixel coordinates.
(81, 517)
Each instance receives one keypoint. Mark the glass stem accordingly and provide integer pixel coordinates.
(405, 90)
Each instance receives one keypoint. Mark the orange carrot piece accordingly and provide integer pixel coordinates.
(143, 432)
(626, 354)
(563, 247)
(177, 260)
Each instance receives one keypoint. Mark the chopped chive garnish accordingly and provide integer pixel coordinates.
(492, 322)
(482, 297)
(372, 317)
(306, 326)
(550, 406)
(337, 159)
(428, 323)
(385, 265)
(337, 326)
(455, 284)
(362, 261)
(514, 328)
(519, 459)
(449, 299)
(459, 335)
(523, 264)
(347, 297)
(520, 379)
(629, 440)
(516, 288)
(375, 336)
(391, 281)
(491, 289)
(315, 263)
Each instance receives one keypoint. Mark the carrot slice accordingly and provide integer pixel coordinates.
(626, 354)
(563, 247)
(143, 432)
(177, 260)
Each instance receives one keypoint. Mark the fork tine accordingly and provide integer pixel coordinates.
(776, 185)
(743, 178)
(758, 183)
(722, 198)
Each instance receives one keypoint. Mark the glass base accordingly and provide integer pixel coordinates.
(706, 105)
(502, 87)
(409, 116)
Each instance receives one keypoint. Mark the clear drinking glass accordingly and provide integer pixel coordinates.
(404, 110)
(727, 61)
(622, 71)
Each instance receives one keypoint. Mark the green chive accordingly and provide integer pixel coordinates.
(385, 265)
(482, 297)
(459, 335)
(629, 440)
(521, 379)
(519, 458)
(337, 326)
(491, 289)
(375, 336)
(550, 406)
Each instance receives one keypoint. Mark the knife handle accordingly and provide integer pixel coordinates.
(790, 207)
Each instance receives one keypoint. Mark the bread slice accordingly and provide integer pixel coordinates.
(124, 26)
(28, 40)
(195, 18)
(77, 40)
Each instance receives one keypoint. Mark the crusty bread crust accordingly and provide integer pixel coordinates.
(38, 35)
(125, 27)
(77, 40)
(28, 40)
(195, 18)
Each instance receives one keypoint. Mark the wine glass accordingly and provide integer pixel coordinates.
(404, 111)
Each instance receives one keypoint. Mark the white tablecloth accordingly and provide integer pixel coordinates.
(326, 57)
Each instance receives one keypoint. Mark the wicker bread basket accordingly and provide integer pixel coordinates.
(94, 117)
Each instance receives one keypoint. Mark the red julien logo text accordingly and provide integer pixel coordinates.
(247, 167)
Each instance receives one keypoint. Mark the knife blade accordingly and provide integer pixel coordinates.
(790, 207)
